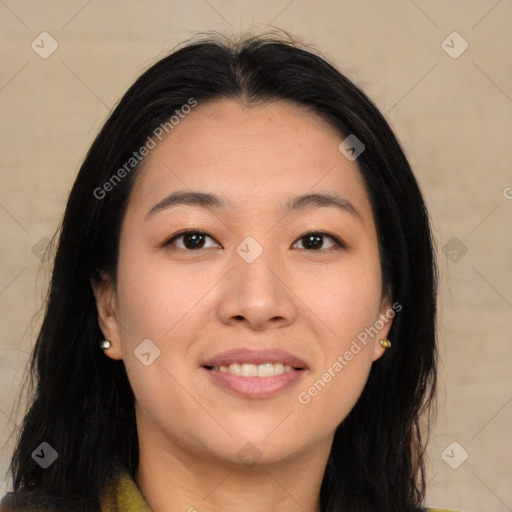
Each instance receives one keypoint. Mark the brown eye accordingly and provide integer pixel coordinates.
(191, 240)
(314, 241)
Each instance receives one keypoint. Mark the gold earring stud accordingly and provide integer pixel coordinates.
(385, 343)
(105, 344)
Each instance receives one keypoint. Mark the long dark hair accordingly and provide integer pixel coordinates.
(83, 405)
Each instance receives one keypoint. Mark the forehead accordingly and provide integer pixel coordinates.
(255, 155)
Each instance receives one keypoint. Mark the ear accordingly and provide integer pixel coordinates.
(386, 315)
(106, 304)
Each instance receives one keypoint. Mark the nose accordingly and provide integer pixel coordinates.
(258, 294)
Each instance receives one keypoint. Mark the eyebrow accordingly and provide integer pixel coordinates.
(201, 199)
(208, 200)
(321, 201)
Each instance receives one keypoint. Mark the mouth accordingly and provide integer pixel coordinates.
(255, 374)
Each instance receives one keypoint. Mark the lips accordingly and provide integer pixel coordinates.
(239, 371)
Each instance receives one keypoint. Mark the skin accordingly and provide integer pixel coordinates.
(195, 303)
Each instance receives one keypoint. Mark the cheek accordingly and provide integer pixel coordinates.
(327, 399)
(155, 296)
(345, 298)
(162, 401)
(160, 303)
(155, 302)
(345, 303)
(344, 361)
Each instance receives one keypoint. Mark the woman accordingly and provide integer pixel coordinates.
(242, 307)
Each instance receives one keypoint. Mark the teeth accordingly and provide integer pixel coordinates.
(266, 370)
(278, 368)
(249, 370)
(235, 369)
(254, 370)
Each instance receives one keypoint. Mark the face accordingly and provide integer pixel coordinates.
(237, 312)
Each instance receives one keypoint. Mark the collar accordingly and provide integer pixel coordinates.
(124, 496)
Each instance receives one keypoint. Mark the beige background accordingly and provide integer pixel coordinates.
(453, 116)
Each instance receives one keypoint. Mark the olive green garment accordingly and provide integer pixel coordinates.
(126, 497)
(129, 499)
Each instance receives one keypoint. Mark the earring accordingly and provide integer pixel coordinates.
(385, 343)
(105, 344)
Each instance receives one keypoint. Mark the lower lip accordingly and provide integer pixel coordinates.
(256, 387)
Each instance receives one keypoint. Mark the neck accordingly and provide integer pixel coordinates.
(178, 479)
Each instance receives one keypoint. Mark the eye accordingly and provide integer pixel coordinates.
(192, 240)
(313, 241)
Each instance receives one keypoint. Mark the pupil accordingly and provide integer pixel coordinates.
(194, 245)
(314, 241)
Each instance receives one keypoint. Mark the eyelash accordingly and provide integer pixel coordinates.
(338, 244)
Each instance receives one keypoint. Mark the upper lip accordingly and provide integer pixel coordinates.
(255, 356)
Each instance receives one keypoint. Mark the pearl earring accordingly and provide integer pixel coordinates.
(105, 344)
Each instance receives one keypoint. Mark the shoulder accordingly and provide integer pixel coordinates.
(121, 493)
(24, 502)
(9, 504)
(29, 501)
